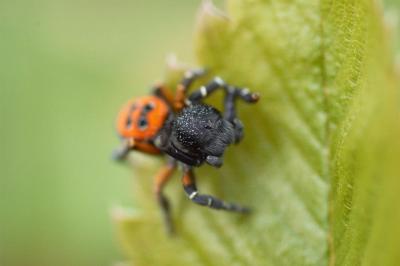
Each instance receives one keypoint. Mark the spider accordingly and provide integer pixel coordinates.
(185, 130)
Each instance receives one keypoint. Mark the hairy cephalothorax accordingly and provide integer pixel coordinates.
(198, 134)
(201, 128)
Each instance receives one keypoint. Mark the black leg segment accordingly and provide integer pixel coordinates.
(190, 76)
(204, 91)
(207, 200)
(232, 93)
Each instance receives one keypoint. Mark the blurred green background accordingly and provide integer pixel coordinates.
(66, 67)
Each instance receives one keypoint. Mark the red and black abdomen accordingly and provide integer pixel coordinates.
(141, 119)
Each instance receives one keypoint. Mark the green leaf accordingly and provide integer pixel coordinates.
(319, 160)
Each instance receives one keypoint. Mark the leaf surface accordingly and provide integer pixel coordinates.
(318, 160)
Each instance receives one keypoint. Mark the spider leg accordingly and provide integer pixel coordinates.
(121, 153)
(160, 180)
(189, 185)
(163, 92)
(232, 93)
(182, 88)
(206, 90)
(218, 83)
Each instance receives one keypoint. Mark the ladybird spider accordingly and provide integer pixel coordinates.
(187, 131)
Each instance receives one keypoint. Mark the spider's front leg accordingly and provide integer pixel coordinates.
(121, 153)
(182, 88)
(160, 180)
(206, 90)
(232, 93)
(189, 185)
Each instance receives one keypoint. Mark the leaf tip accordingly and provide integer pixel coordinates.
(209, 14)
(211, 29)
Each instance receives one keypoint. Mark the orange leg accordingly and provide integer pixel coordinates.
(178, 101)
(183, 87)
(165, 93)
(161, 179)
